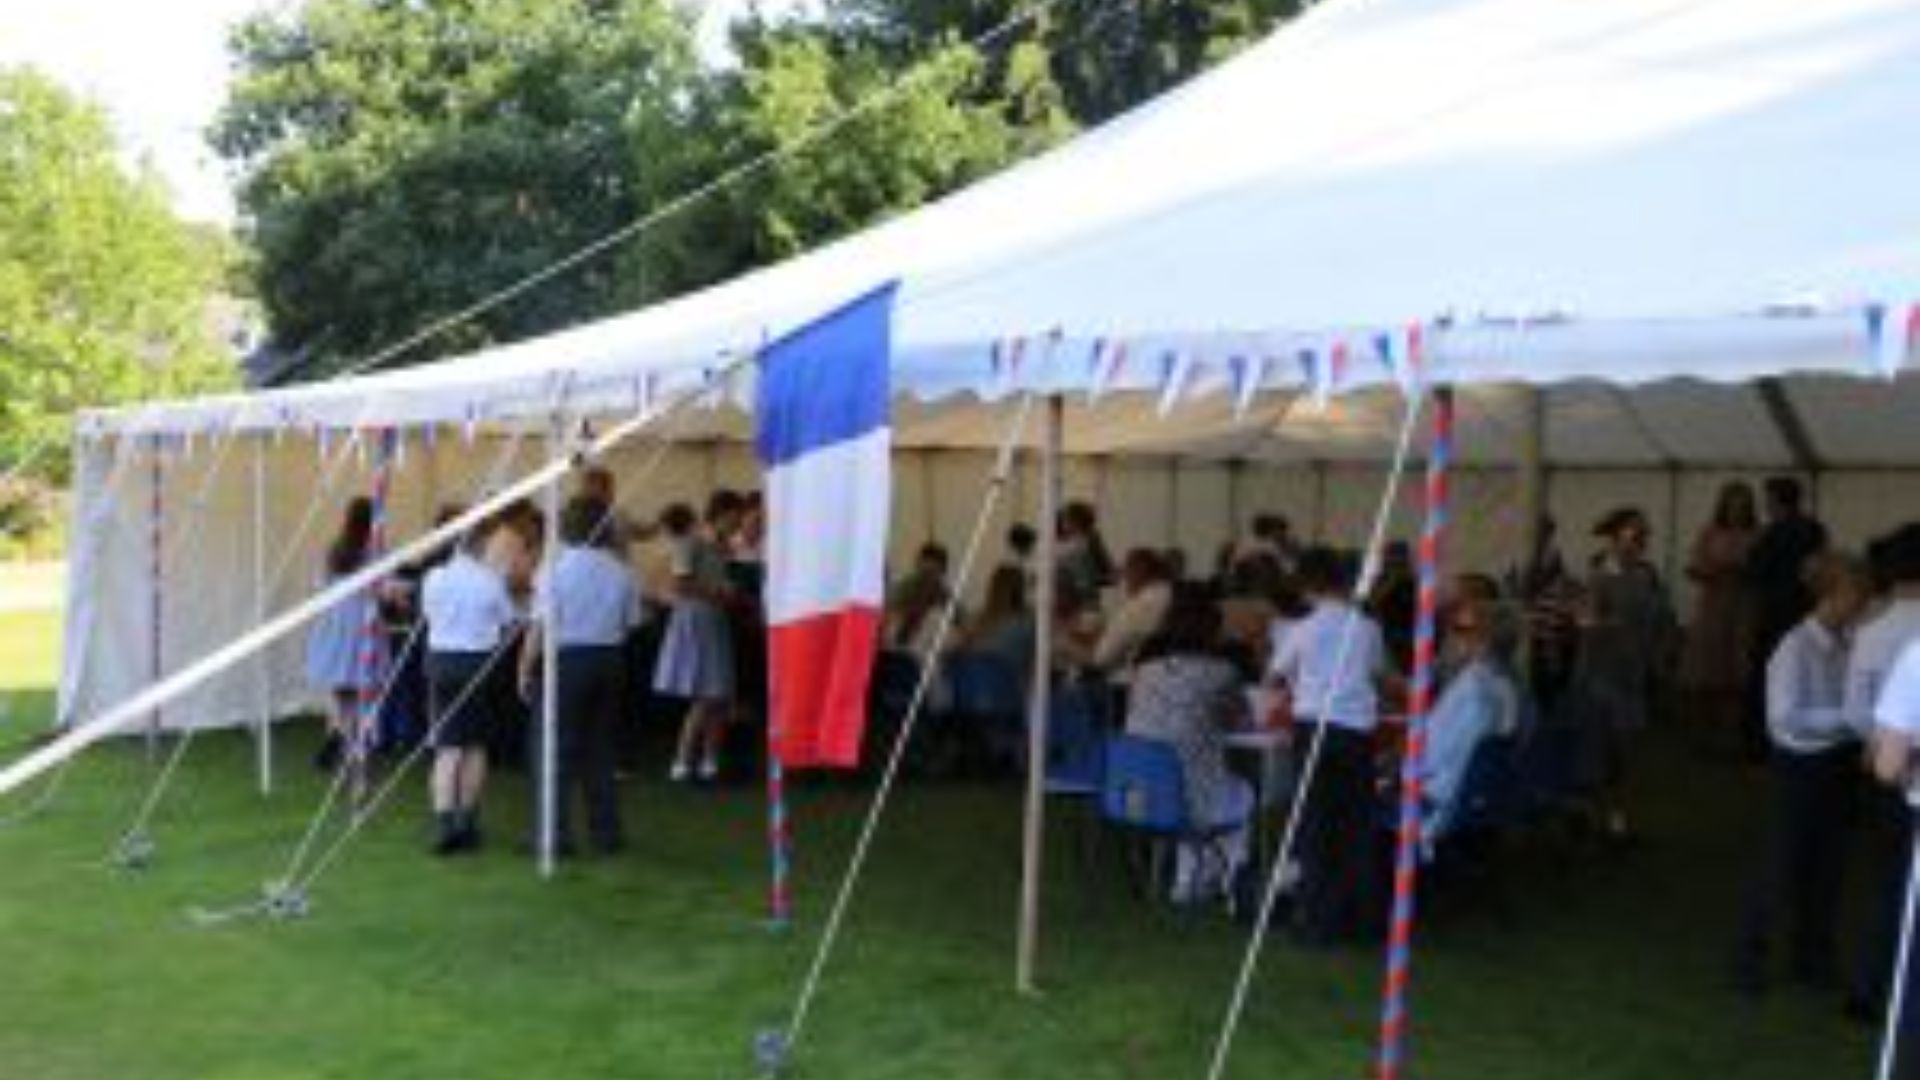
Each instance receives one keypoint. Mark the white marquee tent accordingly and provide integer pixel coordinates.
(1690, 222)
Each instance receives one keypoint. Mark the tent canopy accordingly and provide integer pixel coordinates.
(1549, 190)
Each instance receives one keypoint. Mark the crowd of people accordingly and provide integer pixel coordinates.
(1801, 649)
(644, 613)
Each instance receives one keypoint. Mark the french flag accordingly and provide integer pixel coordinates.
(825, 442)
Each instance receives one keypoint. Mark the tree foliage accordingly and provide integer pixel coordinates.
(405, 158)
(896, 141)
(104, 294)
(1106, 56)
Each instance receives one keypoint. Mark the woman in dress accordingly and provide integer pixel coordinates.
(1626, 638)
(1714, 667)
(696, 658)
(1187, 693)
(335, 661)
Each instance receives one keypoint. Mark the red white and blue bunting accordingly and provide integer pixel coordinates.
(1893, 336)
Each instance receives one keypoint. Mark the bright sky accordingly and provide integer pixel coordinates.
(160, 68)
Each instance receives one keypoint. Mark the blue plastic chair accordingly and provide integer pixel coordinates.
(986, 704)
(1488, 798)
(1076, 758)
(1144, 791)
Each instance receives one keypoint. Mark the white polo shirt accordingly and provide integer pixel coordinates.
(1876, 646)
(1898, 707)
(1806, 690)
(1331, 660)
(596, 602)
(466, 605)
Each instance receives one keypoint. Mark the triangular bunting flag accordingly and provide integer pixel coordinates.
(1891, 336)
(1176, 368)
(1108, 368)
(1253, 375)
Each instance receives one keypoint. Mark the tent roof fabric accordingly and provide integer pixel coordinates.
(1549, 190)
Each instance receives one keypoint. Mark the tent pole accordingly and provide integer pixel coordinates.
(1672, 546)
(1533, 473)
(1319, 502)
(929, 507)
(1533, 504)
(1173, 503)
(1041, 700)
(1236, 521)
(262, 664)
(156, 586)
(550, 662)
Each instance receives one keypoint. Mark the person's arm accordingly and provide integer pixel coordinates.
(1286, 658)
(1892, 757)
(530, 653)
(1856, 702)
(1121, 638)
(1896, 717)
(1791, 711)
(1388, 680)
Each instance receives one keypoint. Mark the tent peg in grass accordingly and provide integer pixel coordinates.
(771, 1052)
(284, 900)
(279, 900)
(135, 851)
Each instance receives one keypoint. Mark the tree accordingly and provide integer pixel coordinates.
(902, 130)
(1106, 56)
(104, 294)
(405, 158)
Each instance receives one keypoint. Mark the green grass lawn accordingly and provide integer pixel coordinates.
(655, 965)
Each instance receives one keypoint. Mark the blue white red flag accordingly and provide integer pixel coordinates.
(826, 443)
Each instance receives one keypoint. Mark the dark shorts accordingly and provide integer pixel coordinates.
(465, 705)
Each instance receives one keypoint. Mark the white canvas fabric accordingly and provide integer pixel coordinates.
(1558, 189)
(1642, 205)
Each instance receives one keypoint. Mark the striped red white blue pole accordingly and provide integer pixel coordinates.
(373, 631)
(1406, 872)
(779, 836)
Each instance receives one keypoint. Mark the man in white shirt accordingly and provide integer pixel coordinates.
(1333, 662)
(470, 617)
(1881, 640)
(594, 605)
(1815, 755)
(1895, 561)
(1896, 720)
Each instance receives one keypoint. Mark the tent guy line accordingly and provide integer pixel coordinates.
(777, 1047)
(1310, 768)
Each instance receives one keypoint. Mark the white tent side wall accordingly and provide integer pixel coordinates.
(1154, 501)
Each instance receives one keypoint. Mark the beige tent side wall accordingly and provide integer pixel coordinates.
(208, 594)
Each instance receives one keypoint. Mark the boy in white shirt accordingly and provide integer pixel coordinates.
(1896, 720)
(1333, 662)
(1895, 562)
(1815, 753)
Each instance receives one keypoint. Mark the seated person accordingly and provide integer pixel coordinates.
(1248, 610)
(1480, 701)
(1004, 626)
(915, 603)
(1148, 592)
(1186, 693)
